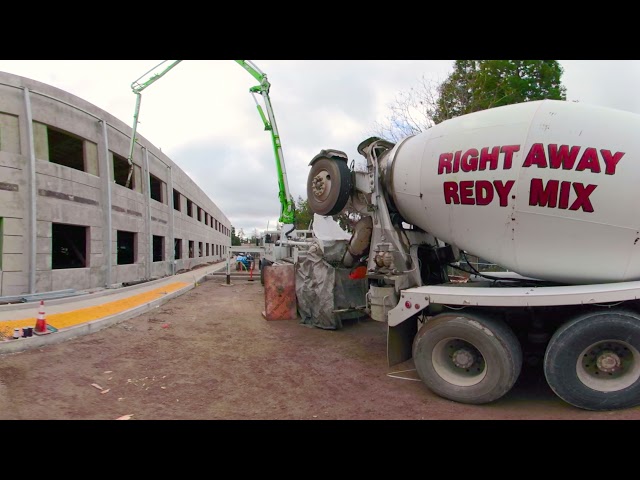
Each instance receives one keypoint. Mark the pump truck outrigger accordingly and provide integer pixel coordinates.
(547, 189)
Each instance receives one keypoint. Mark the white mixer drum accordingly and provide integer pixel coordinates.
(548, 189)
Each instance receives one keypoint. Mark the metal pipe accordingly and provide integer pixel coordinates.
(133, 138)
(289, 242)
(147, 221)
(172, 247)
(107, 236)
(31, 182)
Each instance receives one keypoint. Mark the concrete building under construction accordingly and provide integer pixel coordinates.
(67, 218)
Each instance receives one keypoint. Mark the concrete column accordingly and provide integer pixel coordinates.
(147, 208)
(104, 170)
(31, 187)
(172, 250)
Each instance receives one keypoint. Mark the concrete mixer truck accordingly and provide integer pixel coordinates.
(549, 190)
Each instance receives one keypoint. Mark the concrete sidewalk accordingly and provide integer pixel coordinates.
(78, 315)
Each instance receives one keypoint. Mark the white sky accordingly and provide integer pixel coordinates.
(203, 117)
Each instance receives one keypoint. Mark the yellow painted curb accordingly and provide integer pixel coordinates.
(83, 315)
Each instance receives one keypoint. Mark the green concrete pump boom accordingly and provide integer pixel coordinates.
(137, 88)
(287, 206)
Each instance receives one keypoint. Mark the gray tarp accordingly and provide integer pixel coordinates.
(325, 293)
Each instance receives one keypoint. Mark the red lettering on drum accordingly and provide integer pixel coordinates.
(611, 161)
(480, 192)
(550, 196)
(583, 197)
(562, 156)
(589, 160)
(536, 156)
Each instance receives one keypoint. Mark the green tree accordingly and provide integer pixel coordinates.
(473, 85)
(235, 240)
(481, 84)
(303, 213)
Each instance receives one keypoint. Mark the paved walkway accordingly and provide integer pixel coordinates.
(78, 315)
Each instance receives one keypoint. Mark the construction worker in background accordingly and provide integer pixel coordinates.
(240, 259)
(243, 262)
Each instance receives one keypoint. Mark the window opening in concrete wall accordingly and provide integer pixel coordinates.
(158, 248)
(191, 248)
(176, 200)
(156, 188)
(69, 246)
(189, 208)
(1, 234)
(121, 171)
(206, 218)
(199, 218)
(217, 250)
(177, 248)
(9, 133)
(207, 254)
(199, 249)
(126, 247)
(65, 149)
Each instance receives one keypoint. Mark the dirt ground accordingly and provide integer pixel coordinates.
(210, 354)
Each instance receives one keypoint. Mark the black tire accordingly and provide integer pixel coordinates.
(593, 361)
(464, 338)
(328, 186)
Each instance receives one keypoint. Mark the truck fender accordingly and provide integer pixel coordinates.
(334, 154)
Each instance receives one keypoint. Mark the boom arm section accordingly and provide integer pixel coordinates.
(137, 88)
(287, 209)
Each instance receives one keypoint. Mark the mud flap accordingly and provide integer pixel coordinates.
(400, 341)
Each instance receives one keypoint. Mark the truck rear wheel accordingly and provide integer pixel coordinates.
(468, 358)
(593, 362)
(328, 186)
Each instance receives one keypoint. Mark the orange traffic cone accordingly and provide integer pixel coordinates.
(41, 322)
